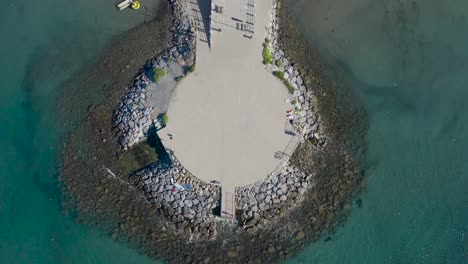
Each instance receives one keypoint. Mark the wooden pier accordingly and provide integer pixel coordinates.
(227, 204)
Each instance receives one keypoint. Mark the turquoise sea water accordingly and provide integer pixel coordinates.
(410, 58)
(43, 43)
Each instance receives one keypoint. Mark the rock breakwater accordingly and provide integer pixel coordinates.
(178, 195)
(307, 121)
(282, 190)
(135, 112)
(318, 182)
(272, 197)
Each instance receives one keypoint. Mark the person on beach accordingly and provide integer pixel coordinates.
(290, 117)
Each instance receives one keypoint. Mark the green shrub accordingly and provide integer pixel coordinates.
(158, 74)
(192, 68)
(279, 63)
(279, 75)
(266, 43)
(267, 56)
(291, 88)
(164, 118)
(179, 78)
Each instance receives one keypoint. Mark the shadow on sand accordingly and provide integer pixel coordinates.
(201, 11)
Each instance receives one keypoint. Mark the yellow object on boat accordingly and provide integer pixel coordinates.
(135, 5)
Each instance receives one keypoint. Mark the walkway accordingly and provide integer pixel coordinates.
(227, 118)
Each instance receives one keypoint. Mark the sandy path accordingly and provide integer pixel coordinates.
(228, 117)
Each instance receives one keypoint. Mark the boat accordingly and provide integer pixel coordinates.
(126, 3)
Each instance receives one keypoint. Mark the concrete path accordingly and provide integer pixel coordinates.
(228, 118)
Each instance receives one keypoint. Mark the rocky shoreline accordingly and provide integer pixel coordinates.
(283, 189)
(176, 194)
(135, 115)
(272, 197)
(324, 176)
(303, 100)
(181, 197)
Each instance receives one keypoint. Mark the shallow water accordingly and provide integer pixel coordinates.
(410, 62)
(43, 44)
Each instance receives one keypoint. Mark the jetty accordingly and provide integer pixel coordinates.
(228, 116)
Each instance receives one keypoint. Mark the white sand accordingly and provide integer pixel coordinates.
(228, 117)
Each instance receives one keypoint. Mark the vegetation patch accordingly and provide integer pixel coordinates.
(267, 55)
(158, 74)
(191, 68)
(179, 78)
(137, 157)
(290, 87)
(279, 63)
(164, 118)
(279, 75)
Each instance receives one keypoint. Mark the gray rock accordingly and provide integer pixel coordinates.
(314, 127)
(260, 197)
(188, 203)
(301, 99)
(299, 81)
(277, 55)
(181, 203)
(262, 206)
(274, 179)
(254, 208)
